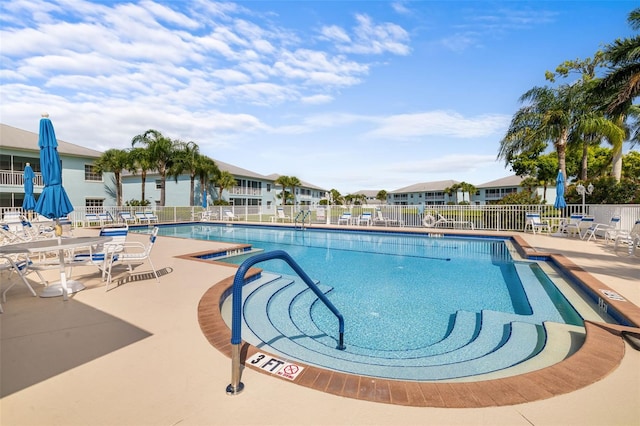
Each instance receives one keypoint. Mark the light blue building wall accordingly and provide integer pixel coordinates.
(84, 188)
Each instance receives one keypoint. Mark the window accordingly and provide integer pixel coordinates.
(268, 187)
(158, 184)
(91, 174)
(94, 205)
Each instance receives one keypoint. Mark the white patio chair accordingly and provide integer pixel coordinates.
(151, 217)
(281, 216)
(102, 255)
(127, 217)
(579, 228)
(535, 222)
(345, 219)
(605, 228)
(631, 238)
(229, 215)
(135, 251)
(141, 217)
(365, 219)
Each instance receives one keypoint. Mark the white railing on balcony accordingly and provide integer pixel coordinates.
(484, 218)
(243, 190)
(10, 178)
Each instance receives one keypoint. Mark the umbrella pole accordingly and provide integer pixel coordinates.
(63, 274)
(58, 228)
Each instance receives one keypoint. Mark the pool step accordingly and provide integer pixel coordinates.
(463, 331)
(497, 345)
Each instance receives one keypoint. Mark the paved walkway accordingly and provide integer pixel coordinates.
(136, 355)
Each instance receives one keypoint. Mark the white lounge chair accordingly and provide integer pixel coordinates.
(91, 219)
(141, 217)
(151, 217)
(208, 215)
(281, 216)
(105, 218)
(229, 215)
(127, 217)
(631, 238)
(603, 228)
(443, 221)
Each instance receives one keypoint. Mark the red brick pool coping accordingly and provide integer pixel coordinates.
(600, 354)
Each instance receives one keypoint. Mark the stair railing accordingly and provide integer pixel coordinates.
(236, 385)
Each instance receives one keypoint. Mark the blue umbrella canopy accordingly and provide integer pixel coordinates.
(29, 202)
(53, 203)
(560, 203)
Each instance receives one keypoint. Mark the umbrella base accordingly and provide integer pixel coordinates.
(55, 290)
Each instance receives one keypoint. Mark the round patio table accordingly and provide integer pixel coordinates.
(59, 245)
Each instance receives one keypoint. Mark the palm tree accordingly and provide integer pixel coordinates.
(548, 117)
(161, 151)
(186, 159)
(467, 187)
(114, 160)
(294, 182)
(139, 161)
(622, 84)
(336, 197)
(453, 190)
(284, 182)
(382, 196)
(207, 170)
(224, 180)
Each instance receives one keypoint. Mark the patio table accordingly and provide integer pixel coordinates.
(59, 245)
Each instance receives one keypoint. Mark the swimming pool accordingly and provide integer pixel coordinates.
(447, 307)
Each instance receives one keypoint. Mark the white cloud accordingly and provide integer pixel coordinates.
(439, 123)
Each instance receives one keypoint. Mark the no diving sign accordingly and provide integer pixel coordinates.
(275, 366)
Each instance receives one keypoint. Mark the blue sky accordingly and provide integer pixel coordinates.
(349, 95)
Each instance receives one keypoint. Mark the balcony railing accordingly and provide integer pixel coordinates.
(10, 178)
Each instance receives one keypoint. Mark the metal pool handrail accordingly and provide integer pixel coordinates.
(236, 385)
(304, 214)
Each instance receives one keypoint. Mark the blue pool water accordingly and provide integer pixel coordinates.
(397, 292)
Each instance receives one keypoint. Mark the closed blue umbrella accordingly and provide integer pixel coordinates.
(29, 203)
(560, 203)
(53, 203)
(204, 199)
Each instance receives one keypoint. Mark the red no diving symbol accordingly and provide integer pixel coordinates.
(291, 369)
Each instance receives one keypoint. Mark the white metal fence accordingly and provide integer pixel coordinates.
(489, 217)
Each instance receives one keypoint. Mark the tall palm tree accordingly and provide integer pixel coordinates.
(620, 87)
(161, 152)
(382, 196)
(207, 170)
(294, 182)
(139, 161)
(224, 180)
(187, 158)
(548, 116)
(114, 160)
(284, 182)
(622, 83)
(467, 187)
